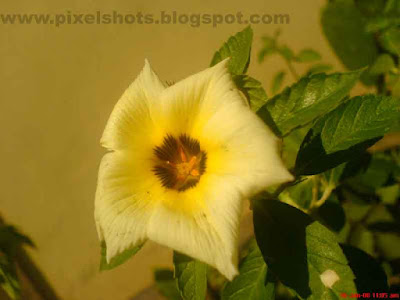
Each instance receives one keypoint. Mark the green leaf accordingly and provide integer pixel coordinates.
(344, 233)
(277, 81)
(363, 239)
(388, 244)
(308, 99)
(269, 47)
(332, 215)
(238, 48)
(380, 23)
(319, 68)
(298, 250)
(369, 274)
(191, 276)
(308, 55)
(117, 260)
(166, 284)
(291, 145)
(383, 64)
(389, 194)
(253, 281)
(377, 174)
(8, 278)
(312, 158)
(286, 52)
(370, 8)
(379, 214)
(344, 27)
(252, 89)
(356, 166)
(333, 176)
(346, 132)
(359, 119)
(11, 239)
(390, 40)
(396, 88)
(355, 207)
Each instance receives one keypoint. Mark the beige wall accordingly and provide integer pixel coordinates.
(58, 86)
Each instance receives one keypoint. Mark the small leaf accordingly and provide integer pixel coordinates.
(383, 64)
(191, 276)
(253, 281)
(308, 99)
(379, 214)
(11, 239)
(319, 68)
(346, 132)
(117, 260)
(308, 55)
(388, 244)
(238, 49)
(390, 40)
(381, 22)
(252, 89)
(277, 81)
(355, 207)
(269, 47)
(301, 252)
(8, 278)
(286, 52)
(376, 175)
(332, 215)
(363, 239)
(166, 284)
(344, 27)
(389, 194)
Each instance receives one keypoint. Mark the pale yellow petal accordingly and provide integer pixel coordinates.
(131, 118)
(123, 200)
(207, 234)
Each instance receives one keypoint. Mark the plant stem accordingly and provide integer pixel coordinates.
(292, 69)
(281, 188)
(35, 276)
(327, 192)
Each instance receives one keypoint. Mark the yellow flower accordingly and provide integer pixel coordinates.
(182, 160)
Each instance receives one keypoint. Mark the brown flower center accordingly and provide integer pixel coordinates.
(179, 162)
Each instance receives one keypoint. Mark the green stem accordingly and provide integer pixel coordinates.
(35, 276)
(281, 188)
(329, 187)
(327, 192)
(292, 69)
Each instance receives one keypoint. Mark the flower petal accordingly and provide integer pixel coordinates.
(123, 206)
(209, 234)
(132, 113)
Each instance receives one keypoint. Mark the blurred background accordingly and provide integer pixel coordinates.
(59, 85)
